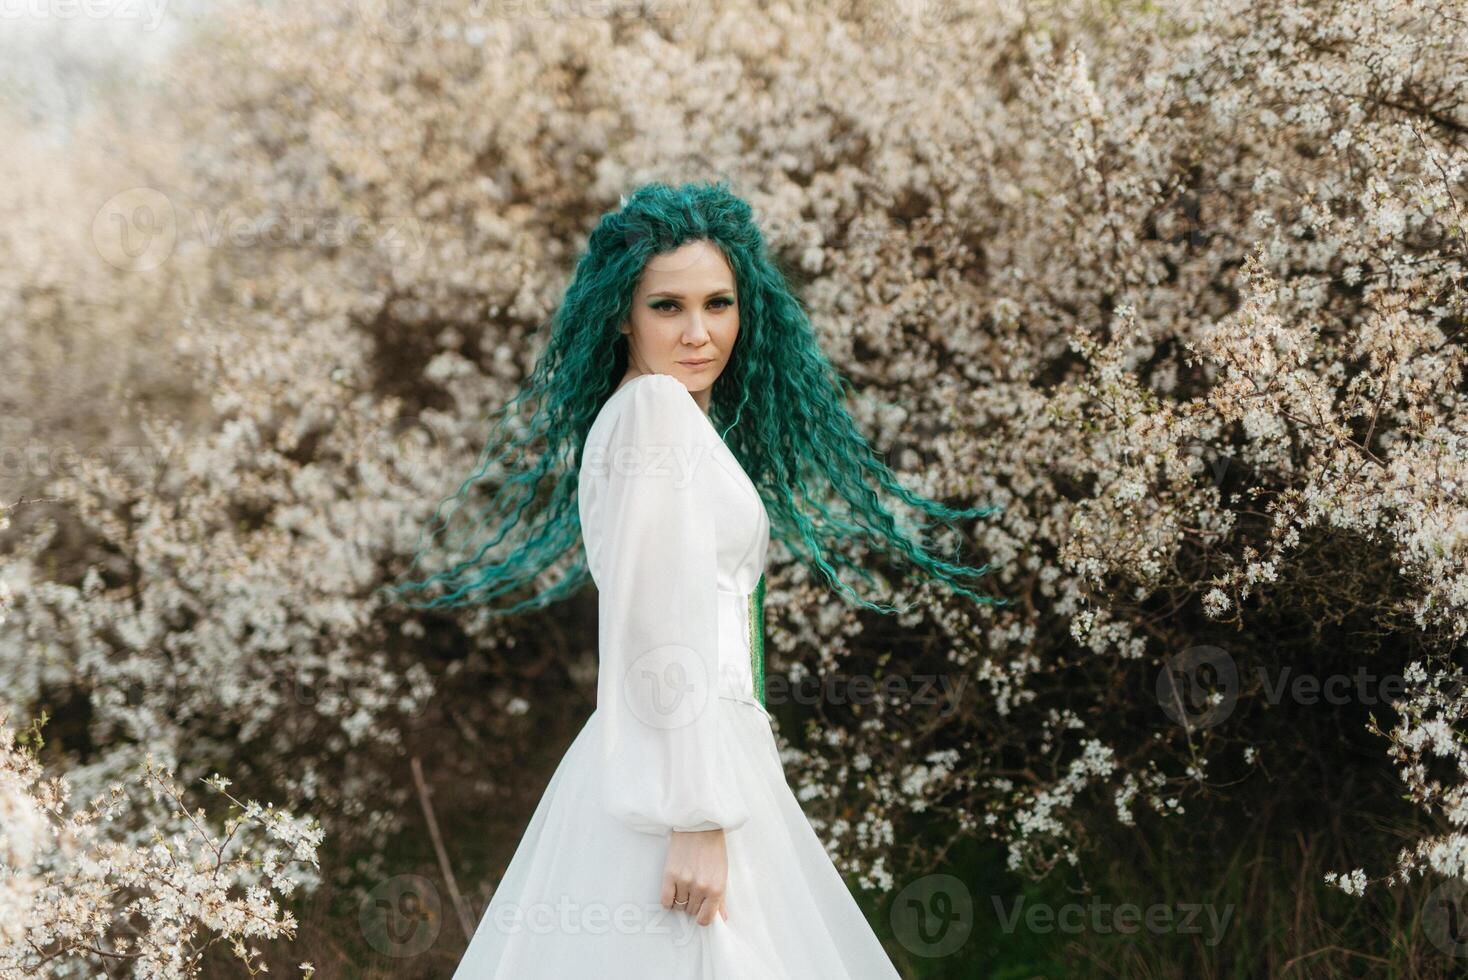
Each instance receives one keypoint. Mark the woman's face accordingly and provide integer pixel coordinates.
(684, 310)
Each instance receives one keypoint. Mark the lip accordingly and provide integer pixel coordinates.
(696, 364)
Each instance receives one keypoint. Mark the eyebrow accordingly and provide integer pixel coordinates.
(667, 295)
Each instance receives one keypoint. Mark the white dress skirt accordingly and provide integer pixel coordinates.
(676, 537)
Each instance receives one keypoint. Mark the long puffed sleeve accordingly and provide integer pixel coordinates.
(664, 768)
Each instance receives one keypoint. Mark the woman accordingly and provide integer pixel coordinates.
(687, 380)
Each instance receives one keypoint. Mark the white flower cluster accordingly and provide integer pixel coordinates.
(76, 894)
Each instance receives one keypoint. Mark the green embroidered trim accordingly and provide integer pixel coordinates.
(757, 638)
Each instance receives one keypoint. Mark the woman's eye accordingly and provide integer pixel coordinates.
(668, 304)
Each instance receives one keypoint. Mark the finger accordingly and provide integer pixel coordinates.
(724, 908)
(670, 892)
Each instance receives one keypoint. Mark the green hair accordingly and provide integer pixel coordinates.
(778, 405)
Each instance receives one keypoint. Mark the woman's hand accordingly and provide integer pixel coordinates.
(697, 870)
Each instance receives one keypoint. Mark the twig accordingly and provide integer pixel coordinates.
(465, 920)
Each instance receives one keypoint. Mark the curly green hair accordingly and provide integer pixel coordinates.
(778, 405)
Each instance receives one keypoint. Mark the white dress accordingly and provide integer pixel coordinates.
(676, 537)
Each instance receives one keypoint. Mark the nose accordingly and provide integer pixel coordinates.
(695, 334)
